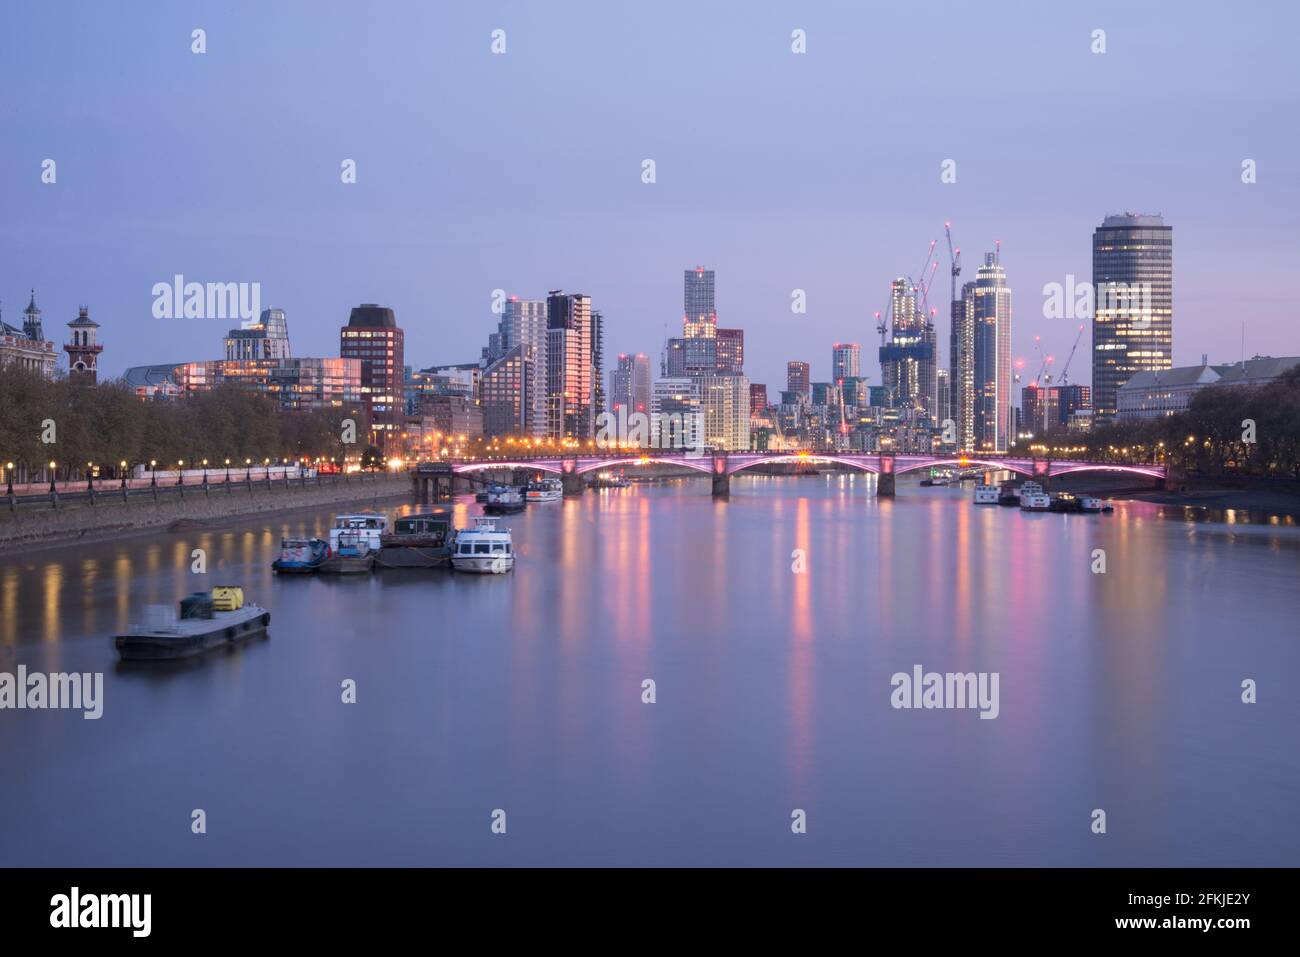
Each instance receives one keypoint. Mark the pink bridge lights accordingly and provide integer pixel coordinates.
(720, 466)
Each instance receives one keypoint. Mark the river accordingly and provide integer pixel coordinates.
(770, 624)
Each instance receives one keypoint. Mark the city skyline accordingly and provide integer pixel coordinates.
(131, 209)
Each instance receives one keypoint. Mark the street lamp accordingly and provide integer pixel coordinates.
(122, 468)
(52, 475)
(90, 476)
(227, 471)
(153, 473)
(10, 467)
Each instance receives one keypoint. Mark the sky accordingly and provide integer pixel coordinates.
(522, 171)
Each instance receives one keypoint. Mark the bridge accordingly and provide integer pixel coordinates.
(720, 466)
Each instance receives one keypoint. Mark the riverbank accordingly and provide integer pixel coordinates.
(1263, 500)
(81, 522)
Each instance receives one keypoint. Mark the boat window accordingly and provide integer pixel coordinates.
(497, 547)
(466, 548)
(507, 548)
(482, 548)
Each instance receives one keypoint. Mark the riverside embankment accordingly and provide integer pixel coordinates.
(46, 524)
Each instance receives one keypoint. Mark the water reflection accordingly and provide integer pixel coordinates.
(525, 691)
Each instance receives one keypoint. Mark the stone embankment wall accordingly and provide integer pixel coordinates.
(42, 525)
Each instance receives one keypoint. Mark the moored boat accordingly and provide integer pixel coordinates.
(364, 526)
(986, 495)
(350, 554)
(504, 499)
(1092, 505)
(1064, 502)
(422, 540)
(484, 549)
(1035, 501)
(547, 490)
(300, 556)
(206, 620)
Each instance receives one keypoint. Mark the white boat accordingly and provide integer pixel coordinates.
(1089, 504)
(1035, 501)
(547, 490)
(358, 528)
(484, 549)
(986, 494)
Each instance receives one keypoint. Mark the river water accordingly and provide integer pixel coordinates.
(1118, 691)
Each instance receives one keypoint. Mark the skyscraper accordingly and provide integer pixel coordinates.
(523, 325)
(699, 314)
(630, 384)
(729, 352)
(570, 374)
(798, 378)
(989, 309)
(373, 336)
(846, 361)
(908, 364)
(1133, 316)
(961, 372)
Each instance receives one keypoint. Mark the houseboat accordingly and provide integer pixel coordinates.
(1092, 506)
(1065, 502)
(1034, 500)
(206, 620)
(365, 526)
(547, 490)
(986, 494)
(300, 556)
(484, 549)
(350, 554)
(422, 540)
(504, 499)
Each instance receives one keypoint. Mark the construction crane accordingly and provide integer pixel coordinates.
(1065, 370)
(1047, 360)
(954, 260)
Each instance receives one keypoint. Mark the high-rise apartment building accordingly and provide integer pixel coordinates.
(630, 384)
(699, 312)
(373, 336)
(677, 413)
(988, 307)
(908, 365)
(523, 325)
(571, 376)
(846, 361)
(267, 337)
(726, 412)
(1133, 315)
(798, 378)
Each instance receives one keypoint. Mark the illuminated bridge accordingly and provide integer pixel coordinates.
(720, 466)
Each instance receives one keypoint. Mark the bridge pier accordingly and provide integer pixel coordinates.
(721, 480)
(885, 477)
(572, 480)
(1175, 479)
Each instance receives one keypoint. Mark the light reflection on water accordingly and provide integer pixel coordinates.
(524, 691)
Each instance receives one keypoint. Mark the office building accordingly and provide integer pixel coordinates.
(1133, 290)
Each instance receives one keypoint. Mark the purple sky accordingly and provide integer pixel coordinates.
(522, 171)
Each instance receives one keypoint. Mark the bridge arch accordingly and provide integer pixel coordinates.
(861, 462)
(541, 466)
(901, 467)
(701, 464)
(1149, 471)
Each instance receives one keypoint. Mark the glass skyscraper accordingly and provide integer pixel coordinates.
(1133, 314)
(988, 308)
